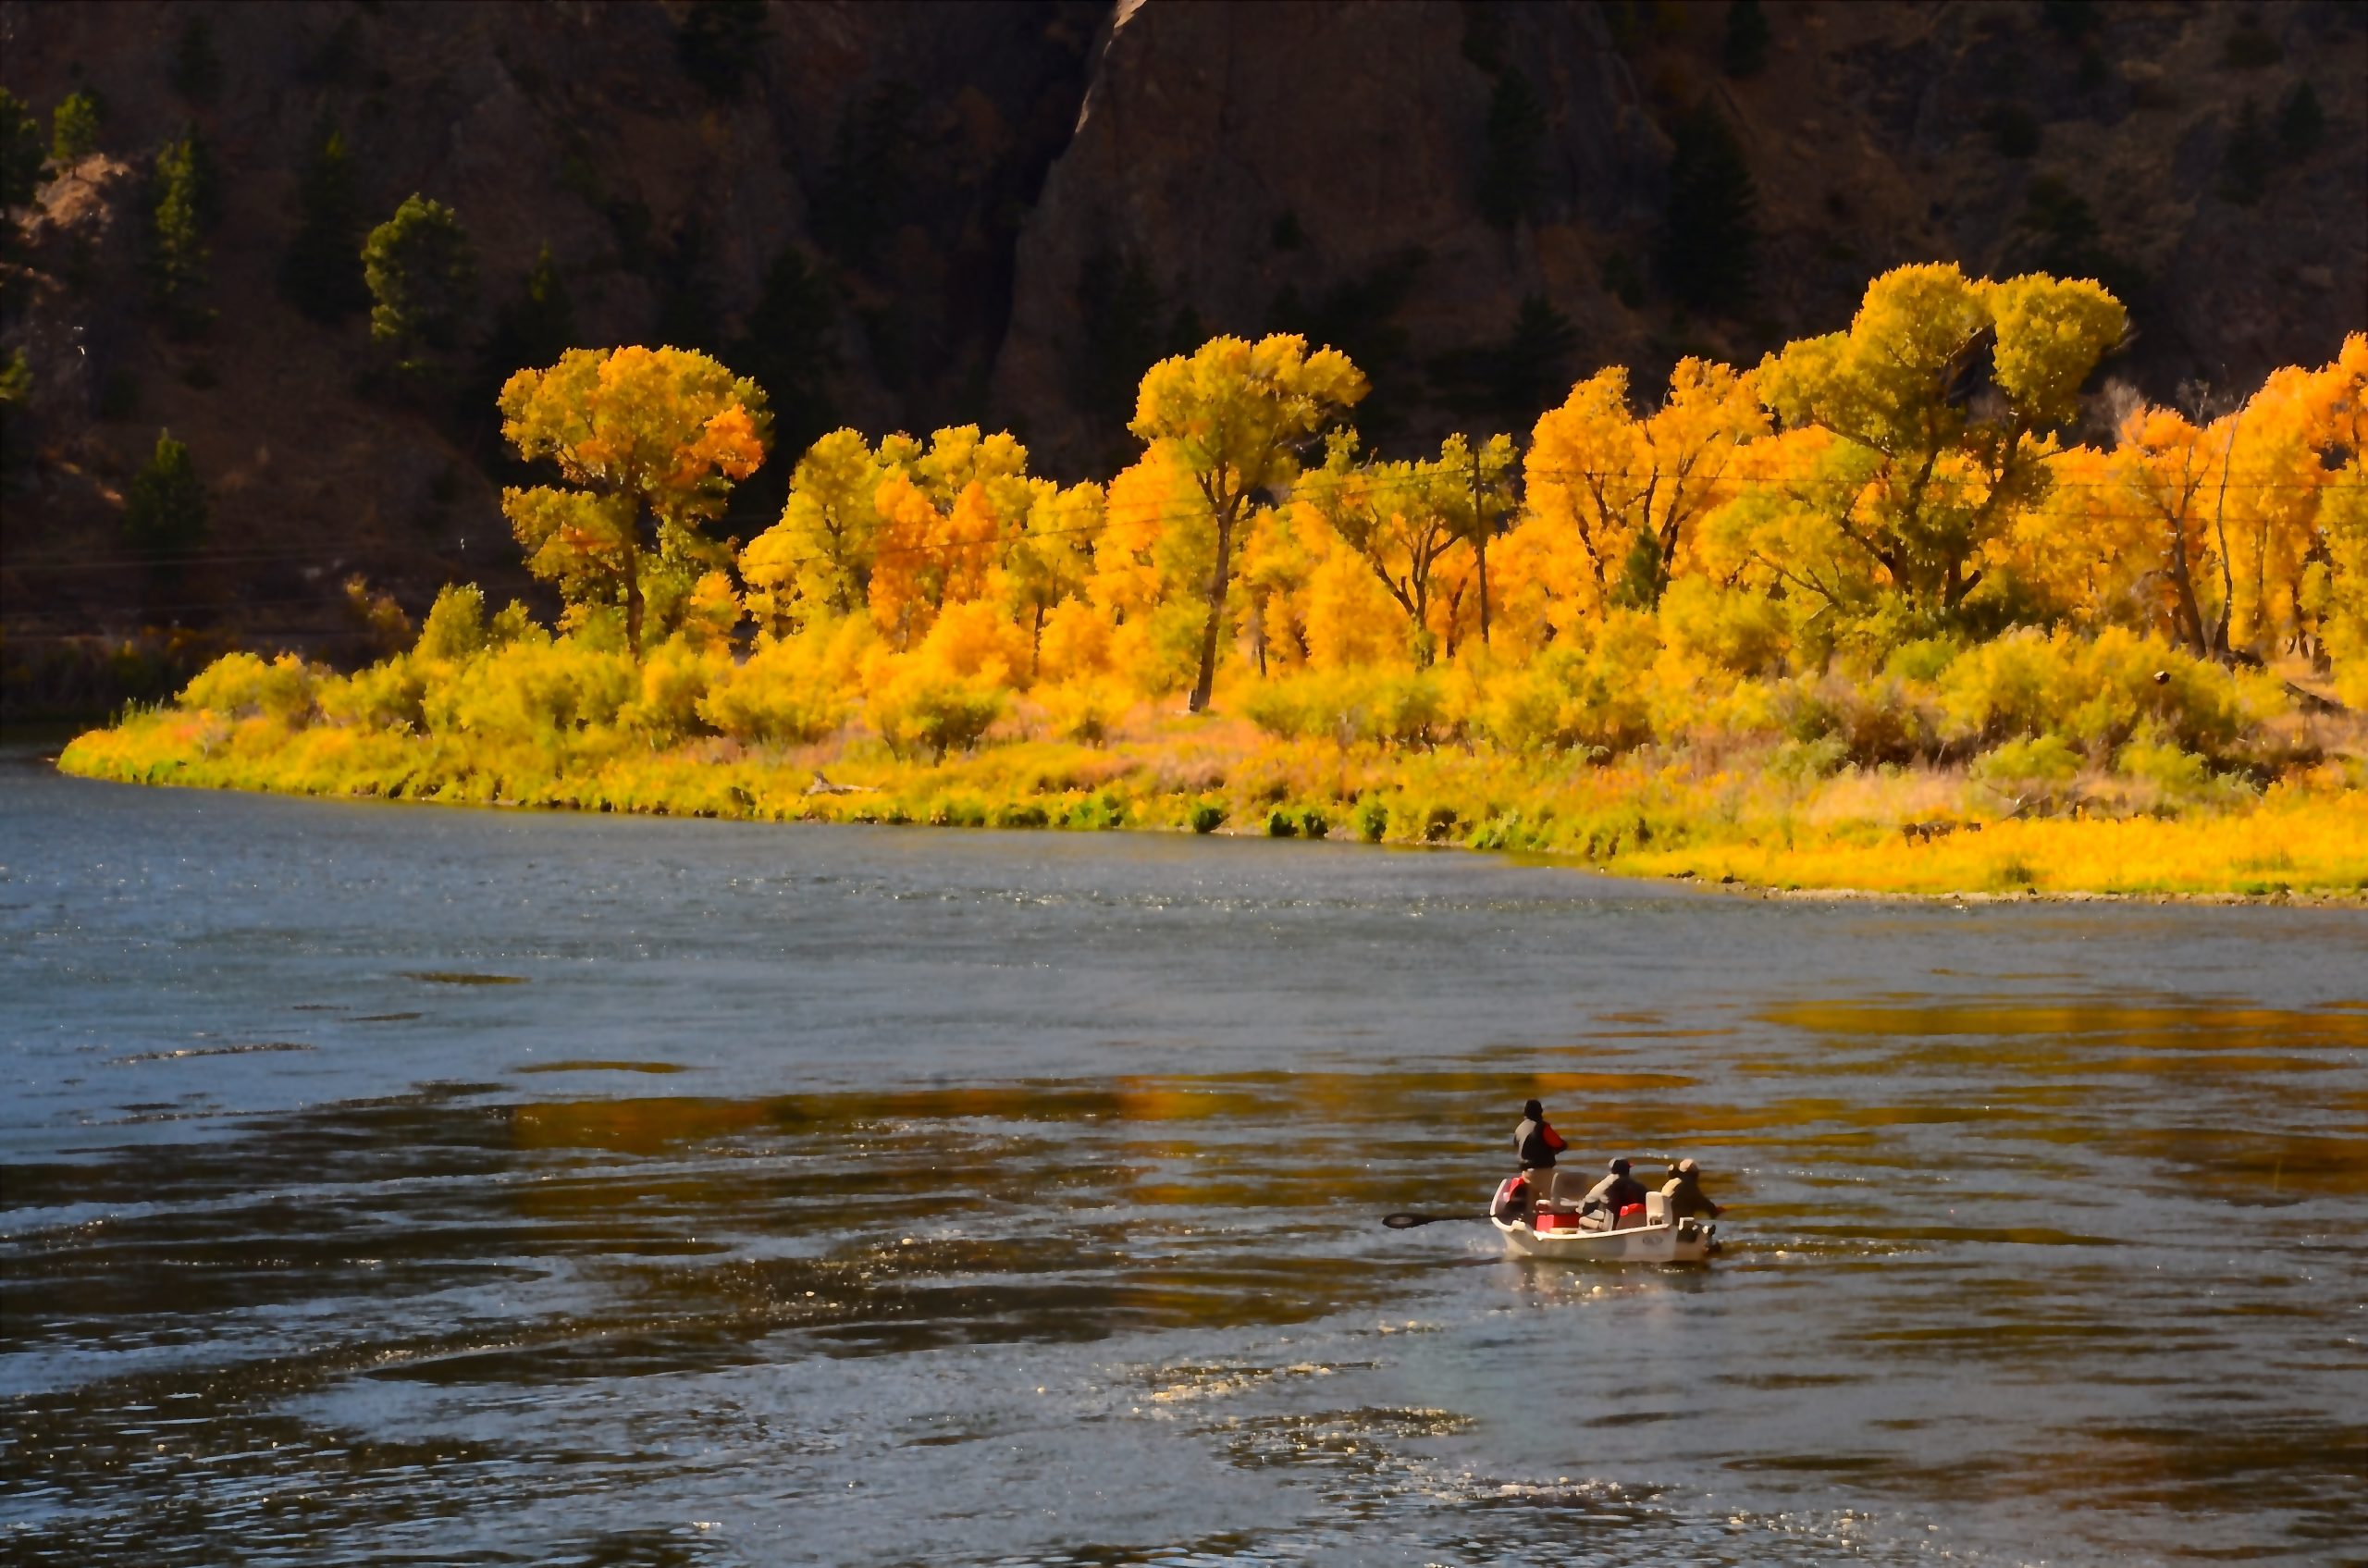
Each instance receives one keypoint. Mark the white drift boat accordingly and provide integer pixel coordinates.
(1652, 1238)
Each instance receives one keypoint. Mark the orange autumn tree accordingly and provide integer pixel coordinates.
(650, 442)
(1410, 524)
(1631, 491)
(945, 515)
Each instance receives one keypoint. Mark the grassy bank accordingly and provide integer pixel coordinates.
(1749, 817)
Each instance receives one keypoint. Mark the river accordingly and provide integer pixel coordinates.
(400, 1184)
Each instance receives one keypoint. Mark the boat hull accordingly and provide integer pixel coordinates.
(1686, 1241)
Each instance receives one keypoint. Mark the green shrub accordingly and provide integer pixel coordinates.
(1207, 817)
(2043, 759)
(1313, 822)
(1281, 825)
(1372, 820)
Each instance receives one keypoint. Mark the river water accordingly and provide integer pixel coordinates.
(391, 1184)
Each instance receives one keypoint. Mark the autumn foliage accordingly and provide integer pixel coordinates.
(1869, 594)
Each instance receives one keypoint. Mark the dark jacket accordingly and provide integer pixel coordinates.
(1617, 1191)
(1539, 1144)
(1686, 1199)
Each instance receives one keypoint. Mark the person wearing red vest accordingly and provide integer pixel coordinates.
(1539, 1144)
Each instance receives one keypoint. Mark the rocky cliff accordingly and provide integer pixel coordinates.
(912, 214)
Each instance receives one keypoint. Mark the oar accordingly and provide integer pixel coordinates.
(1408, 1221)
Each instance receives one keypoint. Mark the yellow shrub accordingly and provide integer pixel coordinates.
(785, 694)
(1076, 643)
(918, 705)
(240, 684)
(1083, 711)
(387, 696)
(535, 690)
(674, 680)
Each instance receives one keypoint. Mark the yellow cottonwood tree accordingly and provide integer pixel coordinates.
(1403, 521)
(1948, 390)
(650, 442)
(816, 559)
(1150, 571)
(1048, 564)
(1234, 414)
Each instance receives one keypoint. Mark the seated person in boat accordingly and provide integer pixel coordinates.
(1684, 1196)
(1612, 1196)
(1539, 1144)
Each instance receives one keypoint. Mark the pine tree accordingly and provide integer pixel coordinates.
(2245, 162)
(1512, 178)
(2301, 123)
(177, 255)
(166, 510)
(422, 273)
(788, 349)
(74, 129)
(1709, 245)
(535, 326)
(720, 41)
(1744, 52)
(21, 153)
(197, 66)
(321, 274)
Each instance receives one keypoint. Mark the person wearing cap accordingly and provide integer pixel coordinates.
(1683, 1194)
(1539, 1144)
(1613, 1194)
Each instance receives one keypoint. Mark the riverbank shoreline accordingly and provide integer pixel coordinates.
(1637, 821)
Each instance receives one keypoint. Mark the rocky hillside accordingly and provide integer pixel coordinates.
(921, 214)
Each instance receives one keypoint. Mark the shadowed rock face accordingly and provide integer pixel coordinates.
(1237, 156)
(1011, 208)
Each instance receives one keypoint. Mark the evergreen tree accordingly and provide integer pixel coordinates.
(536, 325)
(2245, 162)
(1512, 178)
(1744, 52)
(16, 401)
(177, 255)
(789, 351)
(423, 274)
(2301, 123)
(869, 175)
(1709, 245)
(74, 129)
(1509, 381)
(166, 510)
(720, 41)
(531, 331)
(21, 151)
(197, 68)
(321, 274)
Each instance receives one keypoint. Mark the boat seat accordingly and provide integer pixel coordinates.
(1655, 1209)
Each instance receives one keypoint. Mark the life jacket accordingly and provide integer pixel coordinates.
(1539, 1144)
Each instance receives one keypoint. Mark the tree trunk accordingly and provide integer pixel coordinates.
(633, 597)
(1484, 585)
(1219, 579)
(2185, 611)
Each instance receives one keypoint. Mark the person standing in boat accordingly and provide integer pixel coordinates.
(1539, 1144)
(1683, 1194)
